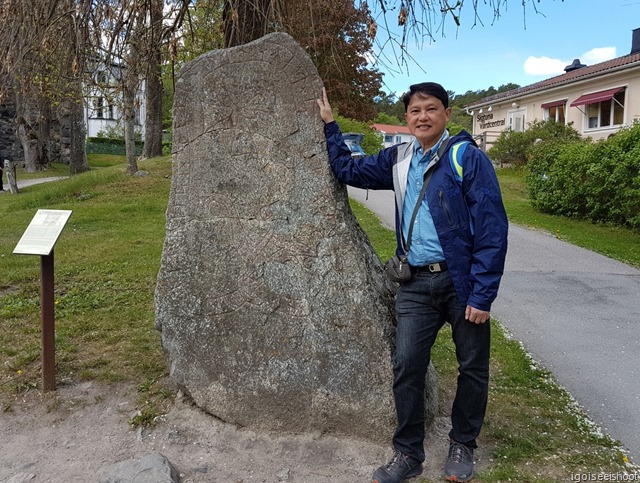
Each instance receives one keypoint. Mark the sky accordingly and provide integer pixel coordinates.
(516, 48)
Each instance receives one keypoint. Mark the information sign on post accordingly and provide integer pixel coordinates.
(39, 239)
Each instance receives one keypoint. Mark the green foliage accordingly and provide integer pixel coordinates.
(550, 192)
(116, 146)
(384, 118)
(454, 128)
(372, 142)
(513, 147)
(459, 118)
(105, 140)
(390, 105)
(470, 97)
(202, 33)
(599, 181)
(116, 131)
(113, 146)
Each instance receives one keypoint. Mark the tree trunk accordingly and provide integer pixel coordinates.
(77, 132)
(44, 134)
(129, 96)
(153, 117)
(26, 134)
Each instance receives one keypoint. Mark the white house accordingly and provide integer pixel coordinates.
(393, 134)
(597, 100)
(102, 106)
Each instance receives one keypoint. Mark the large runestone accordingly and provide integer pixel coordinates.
(273, 306)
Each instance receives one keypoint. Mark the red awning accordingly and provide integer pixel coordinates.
(547, 105)
(596, 97)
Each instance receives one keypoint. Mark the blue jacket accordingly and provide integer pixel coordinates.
(469, 217)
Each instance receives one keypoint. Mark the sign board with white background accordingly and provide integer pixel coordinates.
(43, 232)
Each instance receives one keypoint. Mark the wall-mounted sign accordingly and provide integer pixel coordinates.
(43, 232)
(486, 122)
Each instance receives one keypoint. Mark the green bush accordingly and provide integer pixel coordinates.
(598, 181)
(102, 145)
(454, 128)
(556, 177)
(116, 131)
(514, 147)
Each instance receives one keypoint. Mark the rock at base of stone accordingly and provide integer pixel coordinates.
(153, 468)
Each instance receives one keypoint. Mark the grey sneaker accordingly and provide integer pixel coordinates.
(459, 465)
(400, 468)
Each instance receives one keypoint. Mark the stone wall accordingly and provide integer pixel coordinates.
(9, 146)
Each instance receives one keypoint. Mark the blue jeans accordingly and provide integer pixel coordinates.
(423, 305)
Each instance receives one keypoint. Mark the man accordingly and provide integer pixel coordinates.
(456, 255)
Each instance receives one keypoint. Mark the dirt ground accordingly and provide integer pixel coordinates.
(69, 435)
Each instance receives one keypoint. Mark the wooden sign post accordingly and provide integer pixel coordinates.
(39, 239)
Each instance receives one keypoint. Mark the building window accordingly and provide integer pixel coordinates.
(98, 105)
(556, 112)
(606, 113)
(388, 138)
(102, 77)
(398, 139)
(602, 109)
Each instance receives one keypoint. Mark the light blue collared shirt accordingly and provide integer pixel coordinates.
(425, 245)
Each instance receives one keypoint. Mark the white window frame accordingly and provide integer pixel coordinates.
(612, 102)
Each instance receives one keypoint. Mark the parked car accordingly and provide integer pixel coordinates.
(353, 140)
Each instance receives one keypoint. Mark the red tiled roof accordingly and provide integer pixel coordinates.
(390, 129)
(619, 63)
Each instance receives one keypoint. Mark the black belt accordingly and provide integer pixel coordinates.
(432, 268)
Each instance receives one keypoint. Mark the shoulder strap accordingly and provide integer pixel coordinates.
(427, 177)
(455, 159)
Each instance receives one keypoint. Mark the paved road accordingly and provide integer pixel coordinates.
(29, 182)
(577, 313)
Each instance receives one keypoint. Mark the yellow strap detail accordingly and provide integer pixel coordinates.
(454, 156)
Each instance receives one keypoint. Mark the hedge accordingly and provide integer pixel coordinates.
(596, 181)
(101, 145)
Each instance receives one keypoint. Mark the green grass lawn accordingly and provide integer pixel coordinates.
(106, 263)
